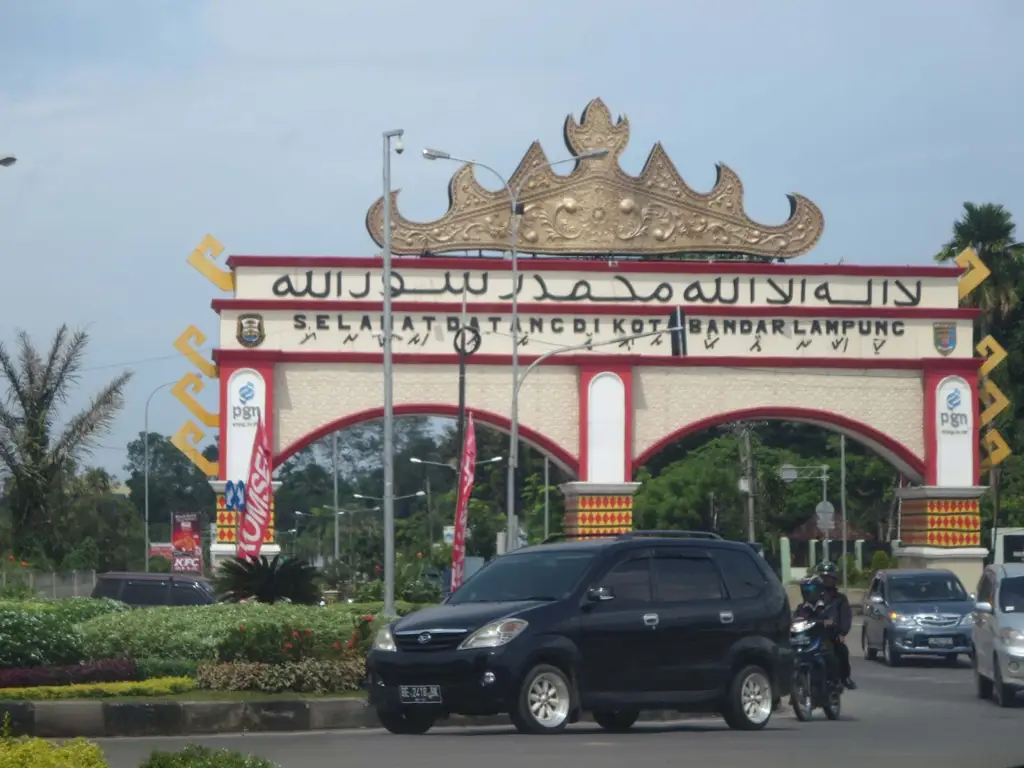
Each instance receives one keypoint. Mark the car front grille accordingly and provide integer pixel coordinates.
(429, 640)
(938, 620)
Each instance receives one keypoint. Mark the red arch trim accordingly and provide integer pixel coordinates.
(899, 454)
(554, 451)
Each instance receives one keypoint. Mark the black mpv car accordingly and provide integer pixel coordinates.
(648, 620)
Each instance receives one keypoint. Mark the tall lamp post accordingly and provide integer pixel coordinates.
(825, 511)
(388, 500)
(454, 467)
(145, 452)
(514, 211)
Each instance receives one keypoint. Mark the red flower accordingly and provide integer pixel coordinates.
(309, 631)
(24, 564)
(419, 555)
(10, 558)
(295, 634)
(367, 618)
(337, 646)
(287, 645)
(378, 568)
(351, 643)
(355, 635)
(241, 627)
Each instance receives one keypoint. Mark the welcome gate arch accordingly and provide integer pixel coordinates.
(882, 353)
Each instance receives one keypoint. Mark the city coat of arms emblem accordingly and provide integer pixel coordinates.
(250, 331)
(945, 338)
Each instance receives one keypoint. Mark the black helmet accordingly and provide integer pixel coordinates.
(827, 569)
(810, 589)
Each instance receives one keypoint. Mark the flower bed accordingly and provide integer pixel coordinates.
(304, 676)
(109, 671)
(162, 686)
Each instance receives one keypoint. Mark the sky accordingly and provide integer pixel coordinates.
(141, 126)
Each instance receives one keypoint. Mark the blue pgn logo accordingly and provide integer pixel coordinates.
(248, 392)
(953, 400)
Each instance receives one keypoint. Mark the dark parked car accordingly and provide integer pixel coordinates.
(141, 590)
(647, 620)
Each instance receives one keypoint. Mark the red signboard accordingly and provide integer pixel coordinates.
(186, 543)
(466, 475)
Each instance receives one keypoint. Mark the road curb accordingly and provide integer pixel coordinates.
(101, 719)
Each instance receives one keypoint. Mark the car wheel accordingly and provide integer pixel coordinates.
(617, 722)
(890, 655)
(1005, 695)
(869, 653)
(406, 723)
(748, 703)
(545, 701)
(982, 684)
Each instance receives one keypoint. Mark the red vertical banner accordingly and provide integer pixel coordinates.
(186, 543)
(258, 493)
(467, 473)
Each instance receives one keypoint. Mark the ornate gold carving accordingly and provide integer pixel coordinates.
(204, 258)
(183, 391)
(997, 449)
(184, 345)
(976, 271)
(993, 352)
(600, 209)
(187, 440)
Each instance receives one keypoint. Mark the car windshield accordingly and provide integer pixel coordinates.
(925, 589)
(1011, 595)
(539, 575)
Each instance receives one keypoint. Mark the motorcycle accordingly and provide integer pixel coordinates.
(813, 686)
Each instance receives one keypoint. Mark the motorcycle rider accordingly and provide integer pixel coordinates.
(839, 618)
(811, 591)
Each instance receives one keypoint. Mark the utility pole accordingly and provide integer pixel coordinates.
(430, 519)
(842, 499)
(334, 475)
(547, 509)
(751, 533)
(713, 518)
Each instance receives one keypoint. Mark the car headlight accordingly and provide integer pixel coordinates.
(901, 620)
(495, 634)
(384, 641)
(967, 619)
(1012, 637)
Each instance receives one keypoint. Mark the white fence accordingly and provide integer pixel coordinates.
(47, 584)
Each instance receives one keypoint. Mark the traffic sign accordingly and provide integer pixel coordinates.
(826, 514)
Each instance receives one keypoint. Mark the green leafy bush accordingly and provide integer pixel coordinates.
(197, 633)
(879, 561)
(39, 753)
(195, 756)
(164, 686)
(306, 676)
(38, 639)
(79, 609)
(147, 669)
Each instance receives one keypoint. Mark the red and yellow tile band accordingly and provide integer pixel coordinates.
(941, 523)
(227, 523)
(598, 515)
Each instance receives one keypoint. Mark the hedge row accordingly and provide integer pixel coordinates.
(161, 686)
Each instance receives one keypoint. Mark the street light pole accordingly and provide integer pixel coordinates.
(389, 413)
(334, 474)
(513, 450)
(145, 456)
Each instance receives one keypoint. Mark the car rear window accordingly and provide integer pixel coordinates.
(743, 576)
(107, 588)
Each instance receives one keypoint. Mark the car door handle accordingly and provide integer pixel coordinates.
(651, 620)
(726, 617)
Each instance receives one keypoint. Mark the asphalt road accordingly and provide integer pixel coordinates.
(922, 714)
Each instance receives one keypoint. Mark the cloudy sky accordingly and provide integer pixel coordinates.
(142, 125)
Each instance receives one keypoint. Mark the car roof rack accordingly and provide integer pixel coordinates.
(561, 537)
(672, 534)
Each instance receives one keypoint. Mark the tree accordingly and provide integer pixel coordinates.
(38, 457)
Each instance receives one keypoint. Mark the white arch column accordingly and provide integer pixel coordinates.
(601, 502)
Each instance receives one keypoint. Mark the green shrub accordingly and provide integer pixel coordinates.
(163, 686)
(79, 609)
(147, 669)
(197, 633)
(40, 638)
(306, 676)
(879, 561)
(39, 753)
(894, 561)
(195, 756)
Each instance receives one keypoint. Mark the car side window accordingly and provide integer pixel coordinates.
(186, 594)
(686, 579)
(743, 578)
(985, 588)
(145, 593)
(630, 581)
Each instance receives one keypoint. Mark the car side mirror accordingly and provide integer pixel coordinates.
(983, 607)
(876, 599)
(600, 594)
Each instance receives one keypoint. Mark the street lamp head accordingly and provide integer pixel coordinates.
(788, 473)
(436, 154)
(420, 493)
(7, 160)
(495, 460)
(415, 460)
(359, 496)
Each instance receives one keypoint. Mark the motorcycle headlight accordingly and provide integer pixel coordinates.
(800, 626)
(902, 620)
(384, 640)
(495, 634)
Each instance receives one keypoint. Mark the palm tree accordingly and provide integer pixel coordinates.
(267, 581)
(34, 454)
(989, 229)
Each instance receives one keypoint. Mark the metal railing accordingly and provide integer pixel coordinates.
(51, 584)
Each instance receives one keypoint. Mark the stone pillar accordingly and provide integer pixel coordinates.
(785, 560)
(858, 553)
(225, 543)
(941, 528)
(597, 509)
